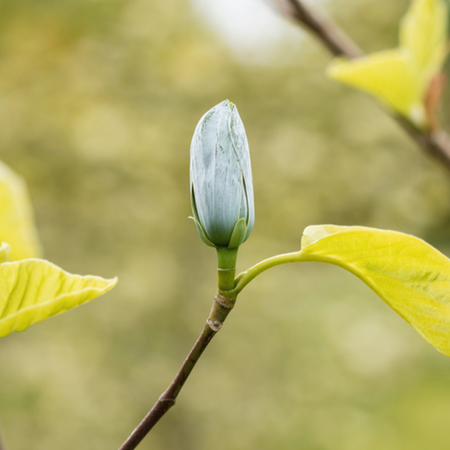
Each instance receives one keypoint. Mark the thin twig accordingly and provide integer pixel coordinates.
(336, 41)
(167, 399)
(221, 308)
(436, 143)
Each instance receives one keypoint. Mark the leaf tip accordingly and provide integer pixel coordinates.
(112, 282)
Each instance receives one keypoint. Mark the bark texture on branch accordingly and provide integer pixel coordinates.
(222, 306)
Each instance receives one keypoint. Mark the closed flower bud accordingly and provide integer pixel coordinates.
(221, 178)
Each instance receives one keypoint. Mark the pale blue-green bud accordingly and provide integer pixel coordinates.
(221, 178)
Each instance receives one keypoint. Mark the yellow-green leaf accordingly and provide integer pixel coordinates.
(411, 276)
(34, 290)
(16, 216)
(389, 75)
(400, 78)
(423, 31)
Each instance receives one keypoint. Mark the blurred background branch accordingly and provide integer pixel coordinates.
(336, 41)
(436, 143)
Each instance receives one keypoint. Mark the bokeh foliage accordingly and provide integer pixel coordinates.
(98, 103)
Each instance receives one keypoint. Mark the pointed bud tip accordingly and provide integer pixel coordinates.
(228, 104)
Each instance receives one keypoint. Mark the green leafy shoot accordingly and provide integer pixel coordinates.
(34, 290)
(411, 276)
(403, 77)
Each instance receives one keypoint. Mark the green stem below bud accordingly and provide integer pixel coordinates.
(226, 270)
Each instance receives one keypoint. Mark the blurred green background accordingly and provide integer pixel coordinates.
(98, 103)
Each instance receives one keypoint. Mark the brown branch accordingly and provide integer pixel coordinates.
(436, 143)
(336, 41)
(220, 310)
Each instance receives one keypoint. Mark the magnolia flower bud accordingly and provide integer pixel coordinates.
(221, 178)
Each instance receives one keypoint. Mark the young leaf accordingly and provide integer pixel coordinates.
(16, 216)
(34, 290)
(387, 75)
(400, 78)
(412, 277)
(423, 31)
